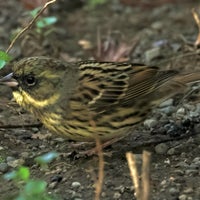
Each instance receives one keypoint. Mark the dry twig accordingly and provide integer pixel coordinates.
(142, 190)
(99, 182)
(29, 25)
(197, 20)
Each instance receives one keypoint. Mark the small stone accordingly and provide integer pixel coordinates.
(116, 195)
(179, 172)
(103, 194)
(194, 166)
(166, 103)
(150, 123)
(173, 191)
(10, 158)
(182, 165)
(157, 25)
(161, 148)
(191, 172)
(121, 189)
(24, 154)
(76, 184)
(35, 129)
(3, 167)
(197, 159)
(53, 185)
(182, 197)
(171, 151)
(188, 190)
(180, 112)
(152, 54)
(168, 110)
(16, 163)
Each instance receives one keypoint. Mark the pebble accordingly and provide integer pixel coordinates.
(191, 172)
(3, 167)
(152, 53)
(188, 190)
(196, 160)
(166, 103)
(16, 163)
(150, 123)
(116, 195)
(179, 172)
(157, 25)
(10, 158)
(171, 151)
(182, 165)
(168, 110)
(193, 166)
(182, 197)
(76, 184)
(173, 191)
(180, 112)
(25, 155)
(35, 129)
(53, 185)
(161, 148)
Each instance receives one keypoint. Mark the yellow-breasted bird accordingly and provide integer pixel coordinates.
(83, 100)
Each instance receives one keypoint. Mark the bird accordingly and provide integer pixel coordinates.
(86, 100)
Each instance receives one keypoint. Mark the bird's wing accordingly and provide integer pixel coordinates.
(102, 85)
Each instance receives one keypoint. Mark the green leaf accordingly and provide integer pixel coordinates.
(4, 58)
(23, 173)
(35, 187)
(46, 158)
(34, 12)
(46, 21)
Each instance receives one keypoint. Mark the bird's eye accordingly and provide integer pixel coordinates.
(30, 80)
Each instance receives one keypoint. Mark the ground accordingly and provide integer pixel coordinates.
(163, 34)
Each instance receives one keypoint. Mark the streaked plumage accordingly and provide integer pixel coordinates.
(83, 100)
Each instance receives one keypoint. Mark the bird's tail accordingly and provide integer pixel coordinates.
(178, 84)
(187, 78)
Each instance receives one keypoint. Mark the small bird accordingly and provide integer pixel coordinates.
(89, 99)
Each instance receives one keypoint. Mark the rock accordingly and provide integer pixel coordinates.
(152, 54)
(161, 148)
(182, 197)
(173, 191)
(180, 112)
(76, 184)
(191, 172)
(150, 123)
(3, 167)
(188, 190)
(166, 103)
(116, 195)
(16, 163)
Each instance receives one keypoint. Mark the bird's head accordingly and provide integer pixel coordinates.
(37, 81)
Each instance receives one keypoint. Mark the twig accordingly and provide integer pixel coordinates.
(134, 173)
(99, 182)
(142, 191)
(146, 157)
(29, 25)
(197, 20)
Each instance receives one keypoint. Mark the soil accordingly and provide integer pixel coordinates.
(165, 29)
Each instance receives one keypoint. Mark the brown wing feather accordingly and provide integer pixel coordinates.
(106, 84)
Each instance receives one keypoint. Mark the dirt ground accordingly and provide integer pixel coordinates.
(163, 34)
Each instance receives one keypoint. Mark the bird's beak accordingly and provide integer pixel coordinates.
(9, 81)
